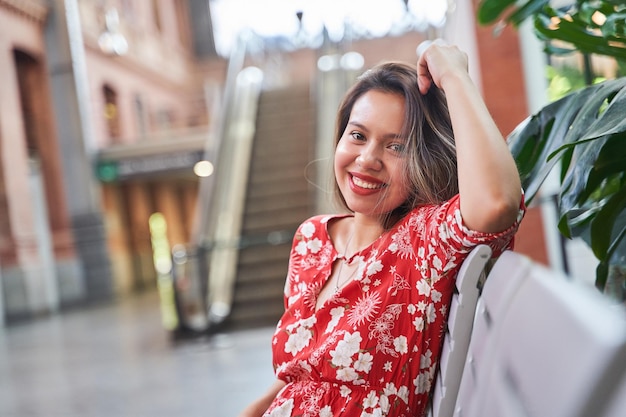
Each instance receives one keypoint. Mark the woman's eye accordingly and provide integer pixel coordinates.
(397, 147)
(357, 136)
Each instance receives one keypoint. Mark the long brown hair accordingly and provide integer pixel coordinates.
(430, 152)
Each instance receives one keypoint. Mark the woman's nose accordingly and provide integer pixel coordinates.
(369, 157)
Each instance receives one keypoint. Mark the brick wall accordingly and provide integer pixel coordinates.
(504, 93)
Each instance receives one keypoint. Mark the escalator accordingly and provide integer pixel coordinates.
(232, 275)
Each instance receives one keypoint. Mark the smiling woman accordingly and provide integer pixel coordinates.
(277, 19)
(425, 176)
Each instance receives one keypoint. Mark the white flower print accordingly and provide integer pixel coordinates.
(347, 374)
(341, 357)
(298, 340)
(318, 353)
(336, 314)
(401, 243)
(443, 231)
(388, 366)
(283, 410)
(371, 400)
(326, 411)
(320, 259)
(403, 393)
(309, 322)
(291, 300)
(390, 389)
(314, 245)
(436, 262)
(352, 342)
(421, 306)
(307, 229)
(411, 308)
(435, 296)
(345, 349)
(311, 396)
(426, 359)
(418, 323)
(423, 288)
(443, 310)
(364, 362)
(301, 248)
(374, 268)
(364, 309)
(431, 313)
(422, 383)
(400, 344)
(380, 329)
(344, 391)
(310, 294)
(385, 404)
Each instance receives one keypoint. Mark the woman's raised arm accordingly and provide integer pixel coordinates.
(489, 183)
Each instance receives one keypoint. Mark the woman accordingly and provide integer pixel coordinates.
(426, 176)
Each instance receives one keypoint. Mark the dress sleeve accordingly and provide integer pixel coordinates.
(309, 250)
(294, 264)
(446, 227)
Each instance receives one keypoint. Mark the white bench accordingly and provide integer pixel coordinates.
(537, 345)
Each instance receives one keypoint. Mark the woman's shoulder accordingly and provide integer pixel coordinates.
(314, 225)
(434, 211)
(324, 219)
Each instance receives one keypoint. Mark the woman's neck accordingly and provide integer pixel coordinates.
(364, 230)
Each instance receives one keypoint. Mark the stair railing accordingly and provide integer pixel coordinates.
(221, 200)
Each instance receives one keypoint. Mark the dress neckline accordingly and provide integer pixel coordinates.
(365, 249)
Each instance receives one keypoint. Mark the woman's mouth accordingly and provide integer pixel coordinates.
(368, 185)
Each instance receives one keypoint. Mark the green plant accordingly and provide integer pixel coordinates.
(584, 132)
(588, 26)
(564, 80)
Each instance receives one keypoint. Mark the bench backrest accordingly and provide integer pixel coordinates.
(459, 328)
(541, 346)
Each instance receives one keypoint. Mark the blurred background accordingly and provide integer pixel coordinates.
(166, 150)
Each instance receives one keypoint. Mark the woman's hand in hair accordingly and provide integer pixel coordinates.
(435, 61)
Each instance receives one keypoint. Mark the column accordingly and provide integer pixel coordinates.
(68, 81)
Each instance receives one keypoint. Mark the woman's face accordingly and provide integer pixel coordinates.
(370, 158)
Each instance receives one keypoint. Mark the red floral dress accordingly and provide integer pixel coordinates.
(372, 349)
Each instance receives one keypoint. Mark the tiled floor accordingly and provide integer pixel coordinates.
(117, 360)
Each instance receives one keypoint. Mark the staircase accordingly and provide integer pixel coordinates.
(279, 198)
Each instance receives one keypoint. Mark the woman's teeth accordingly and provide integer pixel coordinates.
(364, 184)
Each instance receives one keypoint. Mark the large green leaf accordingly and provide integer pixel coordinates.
(604, 235)
(527, 10)
(585, 131)
(589, 133)
(543, 134)
(490, 10)
(615, 254)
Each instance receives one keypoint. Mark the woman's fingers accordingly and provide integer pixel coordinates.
(435, 58)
